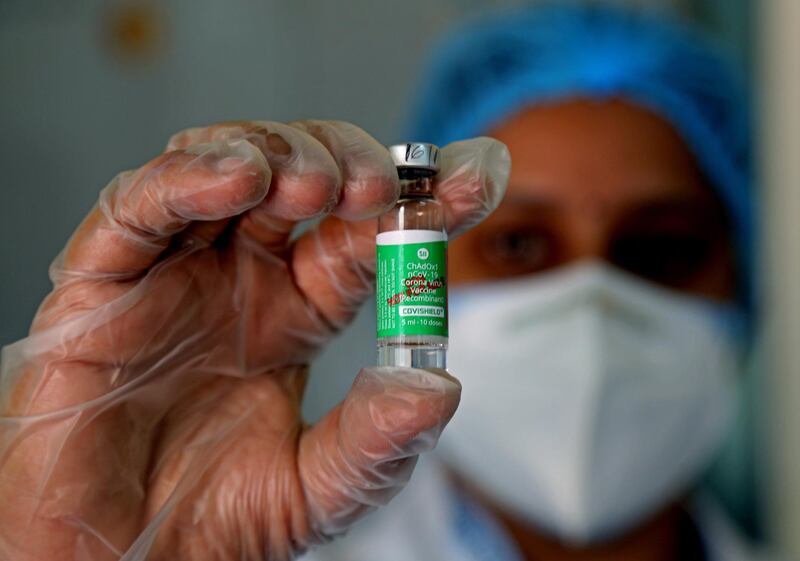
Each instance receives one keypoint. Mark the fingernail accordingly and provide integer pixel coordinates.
(499, 164)
(278, 145)
(229, 165)
(229, 156)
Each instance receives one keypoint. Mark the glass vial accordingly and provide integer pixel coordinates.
(411, 273)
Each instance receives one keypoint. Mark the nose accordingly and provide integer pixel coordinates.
(587, 231)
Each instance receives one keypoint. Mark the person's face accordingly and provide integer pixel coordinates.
(601, 180)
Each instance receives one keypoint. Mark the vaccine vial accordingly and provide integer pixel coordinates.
(411, 273)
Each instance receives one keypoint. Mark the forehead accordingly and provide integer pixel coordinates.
(610, 152)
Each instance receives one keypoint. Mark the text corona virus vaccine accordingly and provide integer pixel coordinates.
(411, 273)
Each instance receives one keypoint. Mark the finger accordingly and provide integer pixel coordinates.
(139, 211)
(472, 182)
(334, 264)
(334, 267)
(306, 180)
(363, 451)
(370, 185)
(318, 167)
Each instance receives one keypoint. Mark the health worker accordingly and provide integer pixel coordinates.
(600, 316)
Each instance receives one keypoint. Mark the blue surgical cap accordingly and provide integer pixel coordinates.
(491, 68)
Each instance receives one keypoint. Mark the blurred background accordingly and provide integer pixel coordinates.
(92, 87)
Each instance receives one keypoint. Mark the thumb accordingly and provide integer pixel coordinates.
(362, 452)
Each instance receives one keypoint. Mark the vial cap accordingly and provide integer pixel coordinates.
(415, 155)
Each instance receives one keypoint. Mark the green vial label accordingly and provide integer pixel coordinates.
(412, 283)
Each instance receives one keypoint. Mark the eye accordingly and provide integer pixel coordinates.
(517, 250)
(671, 259)
(674, 243)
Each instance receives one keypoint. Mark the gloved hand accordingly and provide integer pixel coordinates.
(154, 410)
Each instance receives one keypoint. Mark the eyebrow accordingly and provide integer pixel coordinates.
(531, 199)
(662, 202)
(685, 204)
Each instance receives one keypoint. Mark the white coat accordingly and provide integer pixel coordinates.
(420, 525)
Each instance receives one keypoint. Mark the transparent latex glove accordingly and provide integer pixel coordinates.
(154, 410)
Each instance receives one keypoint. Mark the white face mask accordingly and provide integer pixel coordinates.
(590, 398)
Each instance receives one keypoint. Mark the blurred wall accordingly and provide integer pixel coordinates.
(779, 75)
